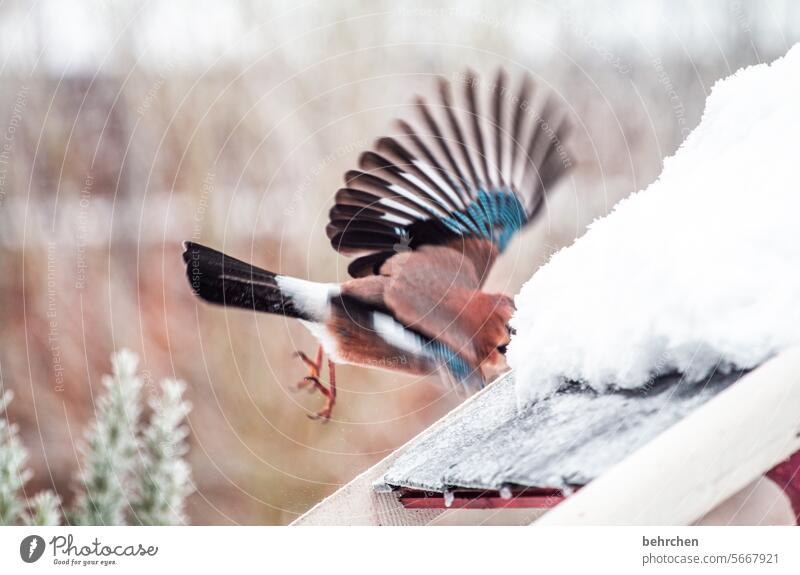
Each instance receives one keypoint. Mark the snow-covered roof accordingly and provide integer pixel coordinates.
(699, 268)
(672, 282)
(559, 442)
(658, 308)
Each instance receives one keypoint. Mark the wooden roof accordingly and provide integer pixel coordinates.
(561, 442)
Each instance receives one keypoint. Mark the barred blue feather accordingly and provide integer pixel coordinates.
(496, 216)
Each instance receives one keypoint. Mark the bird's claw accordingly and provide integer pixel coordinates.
(324, 415)
(314, 368)
(313, 383)
(308, 382)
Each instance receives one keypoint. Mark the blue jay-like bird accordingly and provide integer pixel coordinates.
(427, 213)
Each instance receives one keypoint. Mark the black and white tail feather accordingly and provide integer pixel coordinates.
(220, 279)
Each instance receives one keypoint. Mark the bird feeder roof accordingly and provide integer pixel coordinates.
(559, 443)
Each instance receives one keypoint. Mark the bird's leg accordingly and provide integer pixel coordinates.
(312, 379)
(314, 368)
(329, 393)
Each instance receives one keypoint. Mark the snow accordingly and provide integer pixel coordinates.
(699, 270)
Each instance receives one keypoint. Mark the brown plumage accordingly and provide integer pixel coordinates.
(427, 213)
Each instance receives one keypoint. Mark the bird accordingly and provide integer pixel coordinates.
(425, 215)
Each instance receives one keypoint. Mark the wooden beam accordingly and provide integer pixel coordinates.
(357, 503)
(702, 460)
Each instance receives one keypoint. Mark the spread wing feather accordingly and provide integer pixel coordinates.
(463, 173)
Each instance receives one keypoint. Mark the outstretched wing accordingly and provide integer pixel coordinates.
(462, 178)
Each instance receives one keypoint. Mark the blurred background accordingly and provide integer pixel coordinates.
(127, 127)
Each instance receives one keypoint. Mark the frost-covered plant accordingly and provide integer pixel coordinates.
(164, 477)
(44, 507)
(13, 474)
(130, 473)
(133, 473)
(107, 478)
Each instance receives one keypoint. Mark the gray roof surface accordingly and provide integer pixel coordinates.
(562, 441)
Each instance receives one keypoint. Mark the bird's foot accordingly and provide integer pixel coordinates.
(313, 383)
(329, 392)
(325, 413)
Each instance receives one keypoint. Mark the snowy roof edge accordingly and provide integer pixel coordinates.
(719, 449)
(773, 388)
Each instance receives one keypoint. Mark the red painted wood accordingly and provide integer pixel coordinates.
(787, 475)
(466, 499)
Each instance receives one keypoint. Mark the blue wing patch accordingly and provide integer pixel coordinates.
(495, 215)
